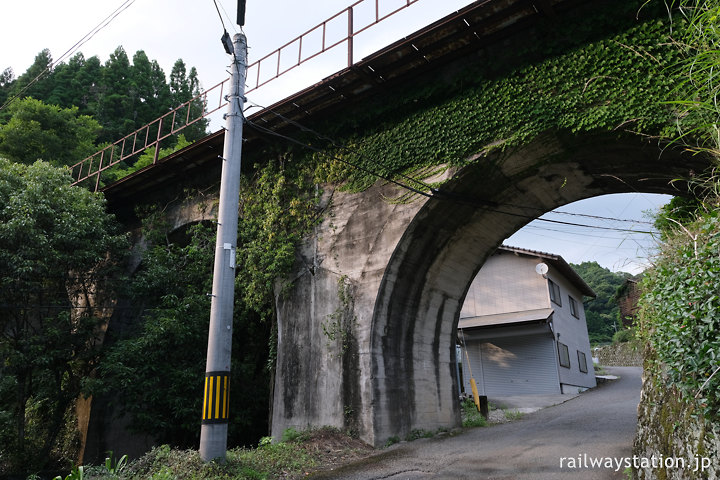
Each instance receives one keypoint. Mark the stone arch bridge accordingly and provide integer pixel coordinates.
(390, 277)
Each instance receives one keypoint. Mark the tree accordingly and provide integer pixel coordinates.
(602, 312)
(121, 96)
(159, 366)
(86, 85)
(184, 87)
(147, 95)
(37, 131)
(66, 90)
(115, 112)
(58, 249)
(36, 80)
(7, 77)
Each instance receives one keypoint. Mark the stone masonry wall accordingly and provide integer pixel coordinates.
(618, 355)
(682, 446)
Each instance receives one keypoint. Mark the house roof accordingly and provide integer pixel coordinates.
(507, 318)
(557, 262)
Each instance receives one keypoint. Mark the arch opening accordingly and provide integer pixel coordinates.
(418, 305)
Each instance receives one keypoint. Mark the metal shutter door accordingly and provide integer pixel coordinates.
(519, 366)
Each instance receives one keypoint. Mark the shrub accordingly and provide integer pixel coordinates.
(679, 312)
(470, 415)
(623, 336)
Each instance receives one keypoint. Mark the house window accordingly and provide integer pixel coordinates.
(573, 307)
(564, 355)
(582, 361)
(554, 292)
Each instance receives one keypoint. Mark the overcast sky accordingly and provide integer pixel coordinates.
(190, 29)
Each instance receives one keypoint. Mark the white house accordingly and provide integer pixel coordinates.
(523, 326)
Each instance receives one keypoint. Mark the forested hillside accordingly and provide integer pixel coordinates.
(95, 102)
(602, 313)
(59, 248)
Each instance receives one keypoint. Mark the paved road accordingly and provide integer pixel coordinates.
(599, 423)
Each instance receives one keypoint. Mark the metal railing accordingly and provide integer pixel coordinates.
(301, 49)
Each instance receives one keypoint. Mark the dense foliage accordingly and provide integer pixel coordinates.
(602, 312)
(680, 311)
(37, 131)
(120, 95)
(680, 305)
(156, 370)
(58, 252)
(582, 84)
(75, 108)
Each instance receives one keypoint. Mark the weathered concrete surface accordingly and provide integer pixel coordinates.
(405, 269)
(324, 322)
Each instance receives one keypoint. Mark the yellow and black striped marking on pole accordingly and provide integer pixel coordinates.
(216, 404)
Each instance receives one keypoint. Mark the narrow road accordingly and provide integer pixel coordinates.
(599, 424)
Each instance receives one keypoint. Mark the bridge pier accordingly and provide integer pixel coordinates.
(366, 336)
(324, 372)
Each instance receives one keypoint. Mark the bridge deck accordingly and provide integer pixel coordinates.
(463, 34)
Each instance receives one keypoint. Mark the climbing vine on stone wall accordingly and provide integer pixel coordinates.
(278, 206)
(680, 312)
(612, 84)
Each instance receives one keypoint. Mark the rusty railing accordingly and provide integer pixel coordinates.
(284, 59)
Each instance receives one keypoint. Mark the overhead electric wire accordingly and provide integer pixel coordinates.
(317, 149)
(435, 194)
(104, 23)
(219, 15)
(598, 217)
(227, 17)
(438, 193)
(530, 226)
(340, 146)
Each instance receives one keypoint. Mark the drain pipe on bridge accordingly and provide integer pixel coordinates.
(216, 408)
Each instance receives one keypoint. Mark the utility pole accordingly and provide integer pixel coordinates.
(216, 405)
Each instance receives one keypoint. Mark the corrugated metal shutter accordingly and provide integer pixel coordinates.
(518, 365)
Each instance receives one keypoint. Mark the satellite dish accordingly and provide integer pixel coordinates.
(541, 269)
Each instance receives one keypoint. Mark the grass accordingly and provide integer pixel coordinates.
(470, 415)
(297, 455)
(512, 415)
(301, 454)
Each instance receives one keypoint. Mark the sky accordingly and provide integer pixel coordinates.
(191, 29)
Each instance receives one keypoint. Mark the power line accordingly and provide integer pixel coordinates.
(435, 194)
(227, 17)
(318, 150)
(343, 147)
(598, 217)
(219, 15)
(88, 36)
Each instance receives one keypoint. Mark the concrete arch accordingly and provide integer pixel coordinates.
(365, 333)
(426, 279)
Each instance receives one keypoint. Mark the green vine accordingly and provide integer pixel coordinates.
(680, 313)
(338, 326)
(278, 206)
(613, 84)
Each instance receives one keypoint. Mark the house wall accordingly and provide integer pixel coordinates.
(506, 283)
(572, 332)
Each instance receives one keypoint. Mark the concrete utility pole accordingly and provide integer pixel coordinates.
(216, 407)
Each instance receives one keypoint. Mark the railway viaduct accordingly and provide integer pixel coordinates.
(386, 270)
